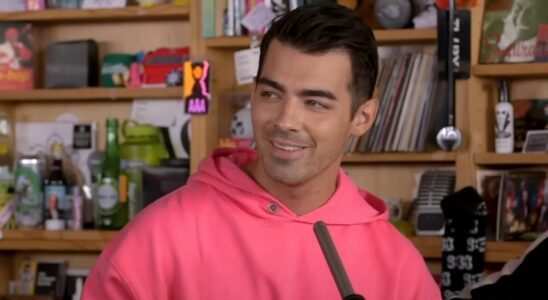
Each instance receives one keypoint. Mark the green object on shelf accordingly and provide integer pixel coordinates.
(143, 146)
(115, 69)
(144, 143)
(111, 201)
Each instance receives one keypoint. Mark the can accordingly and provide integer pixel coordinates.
(132, 171)
(29, 204)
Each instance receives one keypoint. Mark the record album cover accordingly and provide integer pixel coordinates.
(16, 56)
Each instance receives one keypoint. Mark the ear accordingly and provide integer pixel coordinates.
(364, 117)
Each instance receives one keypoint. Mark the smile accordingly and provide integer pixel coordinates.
(287, 147)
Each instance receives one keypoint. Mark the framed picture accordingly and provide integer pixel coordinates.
(93, 4)
(536, 141)
(522, 205)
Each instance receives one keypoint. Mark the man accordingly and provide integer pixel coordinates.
(242, 227)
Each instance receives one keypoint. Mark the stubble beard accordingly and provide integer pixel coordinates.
(288, 172)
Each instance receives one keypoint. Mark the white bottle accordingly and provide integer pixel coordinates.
(504, 121)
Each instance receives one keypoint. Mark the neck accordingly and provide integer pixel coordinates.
(301, 198)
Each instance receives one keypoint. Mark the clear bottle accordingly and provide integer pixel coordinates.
(504, 121)
(95, 162)
(112, 212)
(57, 204)
(77, 218)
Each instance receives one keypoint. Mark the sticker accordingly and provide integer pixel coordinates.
(81, 138)
(196, 92)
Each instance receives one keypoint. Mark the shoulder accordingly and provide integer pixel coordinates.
(167, 215)
(148, 244)
(395, 239)
(419, 286)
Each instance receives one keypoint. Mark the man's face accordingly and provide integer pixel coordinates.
(301, 111)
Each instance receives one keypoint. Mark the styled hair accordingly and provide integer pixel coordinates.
(317, 29)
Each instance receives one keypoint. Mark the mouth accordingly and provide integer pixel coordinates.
(286, 149)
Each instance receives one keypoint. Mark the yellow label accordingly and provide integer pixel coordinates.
(4, 149)
(123, 188)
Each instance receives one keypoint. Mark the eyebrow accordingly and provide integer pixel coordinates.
(271, 83)
(303, 93)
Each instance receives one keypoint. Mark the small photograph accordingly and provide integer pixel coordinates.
(16, 56)
(26, 277)
(523, 202)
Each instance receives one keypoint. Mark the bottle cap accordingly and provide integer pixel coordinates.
(55, 224)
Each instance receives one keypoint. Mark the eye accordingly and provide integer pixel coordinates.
(316, 104)
(269, 95)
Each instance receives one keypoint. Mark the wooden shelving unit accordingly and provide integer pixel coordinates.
(90, 94)
(531, 70)
(100, 15)
(495, 252)
(42, 240)
(511, 159)
(95, 241)
(430, 157)
(58, 24)
(399, 36)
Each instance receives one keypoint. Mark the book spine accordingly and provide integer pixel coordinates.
(237, 18)
(229, 25)
(208, 18)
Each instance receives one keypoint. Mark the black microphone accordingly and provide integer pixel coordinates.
(334, 262)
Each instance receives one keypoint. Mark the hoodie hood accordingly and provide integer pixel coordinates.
(222, 172)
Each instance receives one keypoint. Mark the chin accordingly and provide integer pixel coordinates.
(286, 177)
(289, 175)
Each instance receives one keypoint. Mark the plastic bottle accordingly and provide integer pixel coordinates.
(77, 218)
(504, 121)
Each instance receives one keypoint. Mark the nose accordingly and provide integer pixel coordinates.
(289, 116)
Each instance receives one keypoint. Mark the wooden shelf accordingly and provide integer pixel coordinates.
(21, 297)
(160, 12)
(90, 94)
(511, 159)
(495, 252)
(400, 36)
(42, 240)
(393, 36)
(530, 70)
(431, 157)
(95, 241)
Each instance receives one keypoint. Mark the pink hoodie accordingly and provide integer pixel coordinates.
(222, 236)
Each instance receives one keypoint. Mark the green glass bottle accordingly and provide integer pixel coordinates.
(112, 212)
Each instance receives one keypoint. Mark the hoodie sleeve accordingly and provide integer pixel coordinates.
(107, 282)
(416, 281)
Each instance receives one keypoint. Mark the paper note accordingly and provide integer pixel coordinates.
(161, 113)
(247, 64)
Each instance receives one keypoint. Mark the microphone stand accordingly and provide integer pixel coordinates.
(334, 262)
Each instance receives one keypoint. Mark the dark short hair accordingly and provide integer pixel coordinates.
(323, 28)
